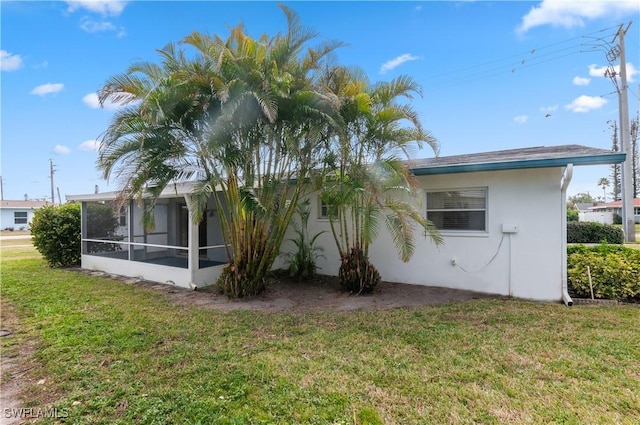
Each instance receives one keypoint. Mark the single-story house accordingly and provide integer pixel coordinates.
(611, 208)
(585, 214)
(502, 216)
(583, 206)
(17, 215)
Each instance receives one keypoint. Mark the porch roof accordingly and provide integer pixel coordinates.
(176, 190)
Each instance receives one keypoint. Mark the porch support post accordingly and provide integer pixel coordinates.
(130, 228)
(194, 242)
(83, 228)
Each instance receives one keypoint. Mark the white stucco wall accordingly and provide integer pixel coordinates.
(153, 272)
(527, 264)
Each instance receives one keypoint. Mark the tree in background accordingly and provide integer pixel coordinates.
(634, 153)
(604, 183)
(616, 169)
(581, 198)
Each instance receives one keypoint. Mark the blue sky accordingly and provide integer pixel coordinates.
(495, 75)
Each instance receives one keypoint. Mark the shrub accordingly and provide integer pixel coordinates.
(572, 214)
(56, 234)
(302, 262)
(615, 271)
(591, 232)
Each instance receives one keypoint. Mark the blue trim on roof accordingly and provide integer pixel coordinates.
(604, 159)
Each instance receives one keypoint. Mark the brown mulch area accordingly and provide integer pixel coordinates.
(322, 293)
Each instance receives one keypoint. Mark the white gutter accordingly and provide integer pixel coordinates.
(564, 183)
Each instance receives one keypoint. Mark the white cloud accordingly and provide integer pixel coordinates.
(549, 108)
(520, 119)
(9, 61)
(581, 81)
(61, 150)
(393, 63)
(91, 26)
(103, 7)
(92, 101)
(89, 146)
(599, 71)
(586, 103)
(49, 88)
(569, 14)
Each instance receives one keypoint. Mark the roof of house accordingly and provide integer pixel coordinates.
(584, 206)
(615, 204)
(22, 204)
(513, 159)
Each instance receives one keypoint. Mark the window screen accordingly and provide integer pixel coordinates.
(458, 209)
(20, 217)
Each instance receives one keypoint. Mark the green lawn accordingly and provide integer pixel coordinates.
(116, 353)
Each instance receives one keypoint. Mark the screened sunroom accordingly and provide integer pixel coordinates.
(174, 250)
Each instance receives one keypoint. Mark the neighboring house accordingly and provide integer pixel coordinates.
(584, 206)
(586, 214)
(502, 216)
(614, 208)
(17, 215)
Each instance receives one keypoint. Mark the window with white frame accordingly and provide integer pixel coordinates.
(324, 209)
(20, 217)
(122, 216)
(458, 210)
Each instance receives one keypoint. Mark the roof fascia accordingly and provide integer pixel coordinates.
(604, 159)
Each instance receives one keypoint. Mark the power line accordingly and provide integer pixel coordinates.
(526, 59)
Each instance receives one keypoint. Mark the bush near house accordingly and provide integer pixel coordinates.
(56, 234)
(572, 214)
(615, 271)
(591, 232)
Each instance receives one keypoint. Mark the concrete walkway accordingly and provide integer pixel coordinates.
(13, 238)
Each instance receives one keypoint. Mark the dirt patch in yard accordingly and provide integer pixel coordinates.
(319, 294)
(16, 365)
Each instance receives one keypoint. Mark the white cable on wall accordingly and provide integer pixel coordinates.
(487, 264)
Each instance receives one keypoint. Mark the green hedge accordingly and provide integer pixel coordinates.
(56, 234)
(591, 232)
(615, 271)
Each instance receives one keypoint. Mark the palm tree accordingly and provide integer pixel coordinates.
(604, 184)
(243, 119)
(366, 182)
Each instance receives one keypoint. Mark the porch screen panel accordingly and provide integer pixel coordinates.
(458, 210)
(103, 224)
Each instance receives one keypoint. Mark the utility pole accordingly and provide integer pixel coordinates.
(51, 171)
(1, 189)
(625, 142)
